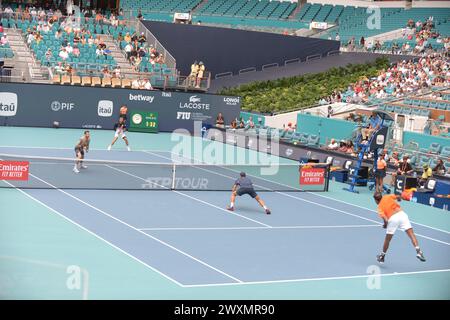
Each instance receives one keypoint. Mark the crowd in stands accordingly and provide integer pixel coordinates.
(417, 38)
(402, 78)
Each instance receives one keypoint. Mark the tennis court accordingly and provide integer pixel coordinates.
(183, 244)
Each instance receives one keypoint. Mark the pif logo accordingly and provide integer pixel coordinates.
(105, 108)
(8, 104)
(183, 115)
(62, 106)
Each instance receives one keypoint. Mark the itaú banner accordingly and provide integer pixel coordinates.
(318, 25)
(42, 105)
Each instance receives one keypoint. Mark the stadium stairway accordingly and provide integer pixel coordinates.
(117, 54)
(23, 58)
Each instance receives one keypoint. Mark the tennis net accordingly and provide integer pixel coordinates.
(57, 173)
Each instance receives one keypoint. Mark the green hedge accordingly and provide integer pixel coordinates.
(302, 91)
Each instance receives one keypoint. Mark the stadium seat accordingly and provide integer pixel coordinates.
(86, 81)
(424, 160)
(116, 83)
(106, 82)
(65, 79)
(96, 82)
(76, 80)
(445, 152)
(126, 83)
(435, 147)
(313, 140)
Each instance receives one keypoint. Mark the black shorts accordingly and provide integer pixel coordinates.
(250, 191)
(79, 150)
(380, 173)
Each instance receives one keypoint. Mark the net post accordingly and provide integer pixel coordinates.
(327, 180)
(173, 176)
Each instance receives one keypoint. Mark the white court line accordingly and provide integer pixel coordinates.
(95, 235)
(313, 279)
(358, 206)
(260, 228)
(94, 149)
(56, 266)
(196, 199)
(312, 202)
(313, 193)
(141, 232)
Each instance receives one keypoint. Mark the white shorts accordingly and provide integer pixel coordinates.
(400, 221)
(120, 133)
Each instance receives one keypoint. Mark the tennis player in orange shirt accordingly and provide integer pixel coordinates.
(394, 218)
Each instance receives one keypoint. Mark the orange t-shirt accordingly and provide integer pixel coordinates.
(388, 206)
(381, 164)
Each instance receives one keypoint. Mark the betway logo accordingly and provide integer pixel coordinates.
(8, 104)
(140, 97)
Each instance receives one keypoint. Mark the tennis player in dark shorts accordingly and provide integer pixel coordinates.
(80, 147)
(242, 186)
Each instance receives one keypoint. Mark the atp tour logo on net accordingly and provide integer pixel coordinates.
(8, 104)
(105, 108)
(62, 106)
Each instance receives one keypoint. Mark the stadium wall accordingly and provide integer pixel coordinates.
(40, 105)
(230, 50)
(325, 128)
(424, 140)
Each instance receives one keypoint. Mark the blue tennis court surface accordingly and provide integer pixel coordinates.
(188, 241)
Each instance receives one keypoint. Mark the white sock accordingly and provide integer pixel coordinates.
(265, 208)
(232, 205)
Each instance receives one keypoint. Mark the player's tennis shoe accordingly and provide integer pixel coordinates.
(268, 211)
(129, 149)
(230, 208)
(380, 258)
(420, 256)
(109, 148)
(83, 166)
(76, 170)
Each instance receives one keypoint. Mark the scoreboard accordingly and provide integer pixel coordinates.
(144, 121)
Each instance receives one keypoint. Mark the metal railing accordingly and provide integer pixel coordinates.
(151, 40)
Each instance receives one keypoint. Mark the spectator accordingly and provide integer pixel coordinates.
(148, 85)
(76, 51)
(194, 73)
(220, 122)
(4, 40)
(234, 124)
(439, 168)
(241, 123)
(48, 56)
(142, 39)
(201, 70)
(116, 72)
(333, 145)
(1, 28)
(128, 50)
(63, 54)
(250, 122)
(329, 111)
(362, 42)
(372, 126)
(380, 173)
(403, 168)
(427, 173)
